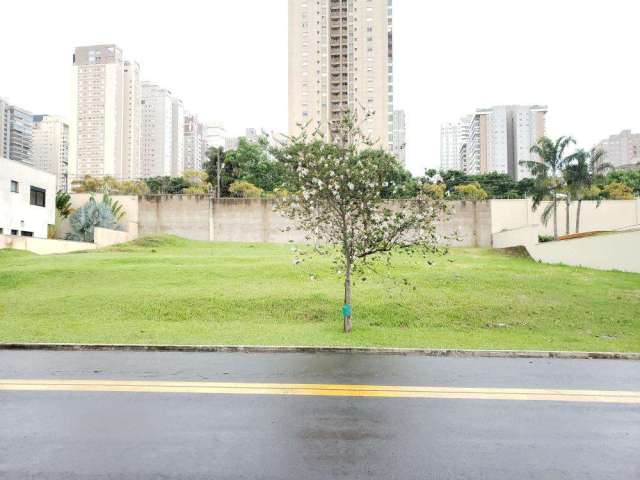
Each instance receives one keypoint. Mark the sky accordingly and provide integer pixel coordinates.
(227, 59)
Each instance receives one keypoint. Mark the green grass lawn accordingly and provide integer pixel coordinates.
(169, 290)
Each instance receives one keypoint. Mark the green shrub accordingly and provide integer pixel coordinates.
(91, 215)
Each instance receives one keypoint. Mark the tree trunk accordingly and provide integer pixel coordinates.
(555, 216)
(578, 216)
(568, 226)
(347, 299)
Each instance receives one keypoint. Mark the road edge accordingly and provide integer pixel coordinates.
(457, 353)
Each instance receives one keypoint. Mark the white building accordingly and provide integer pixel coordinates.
(449, 148)
(104, 127)
(400, 136)
(341, 59)
(162, 139)
(16, 126)
(27, 199)
(622, 150)
(195, 142)
(501, 137)
(216, 135)
(132, 121)
(177, 137)
(51, 147)
(453, 141)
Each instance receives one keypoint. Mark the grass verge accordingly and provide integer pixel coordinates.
(168, 290)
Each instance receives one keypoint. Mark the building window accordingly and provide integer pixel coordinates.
(14, 187)
(14, 232)
(26, 234)
(38, 197)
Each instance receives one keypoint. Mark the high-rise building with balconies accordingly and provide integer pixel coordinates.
(162, 138)
(16, 126)
(453, 141)
(341, 60)
(622, 151)
(195, 142)
(51, 147)
(105, 126)
(501, 137)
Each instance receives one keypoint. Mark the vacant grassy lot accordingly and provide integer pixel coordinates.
(168, 290)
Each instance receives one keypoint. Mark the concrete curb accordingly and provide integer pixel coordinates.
(73, 347)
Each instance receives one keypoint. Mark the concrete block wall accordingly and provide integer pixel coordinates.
(186, 216)
(200, 217)
(247, 220)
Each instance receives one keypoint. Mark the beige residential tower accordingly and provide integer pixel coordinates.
(341, 59)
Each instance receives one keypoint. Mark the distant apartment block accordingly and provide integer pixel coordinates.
(177, 140)
(132, 121)
(16, 130)
(341, 59)
(216, 135)
(453, 142)
(162, 139)
(495, 139)
(622, 151)
(105, 124)
(195, 142)
(51, 148)
(400, 136)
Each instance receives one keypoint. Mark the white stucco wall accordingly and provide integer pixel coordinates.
(608, 215)
(103, 237)
(517, 237)
(16, 211)
(42, 246)
(613, 251)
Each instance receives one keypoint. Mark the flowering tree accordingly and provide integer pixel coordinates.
(337, 195)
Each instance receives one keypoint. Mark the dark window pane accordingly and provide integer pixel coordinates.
(38, 197)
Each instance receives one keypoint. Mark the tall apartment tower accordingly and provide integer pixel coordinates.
(400, 136)
(501, 137)
(216, 135)
(51, 148)
(449, 148)
(453, 144)
(162, 132)
(195, 142)
(132, 121)
(16, 133)
(177, 137)
(105, 122)
(341, 59)
(622, 151)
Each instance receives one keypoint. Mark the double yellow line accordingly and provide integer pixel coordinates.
(322, 390)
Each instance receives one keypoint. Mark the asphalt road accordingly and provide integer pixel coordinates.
(141, 434)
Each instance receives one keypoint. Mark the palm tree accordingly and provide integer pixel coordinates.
(547, 170)
(582, 172)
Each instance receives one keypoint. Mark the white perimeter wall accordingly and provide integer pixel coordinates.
(614, 251)
(610, 215)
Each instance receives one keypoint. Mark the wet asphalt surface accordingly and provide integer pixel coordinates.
(73, 435)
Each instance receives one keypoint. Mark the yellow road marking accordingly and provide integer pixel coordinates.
(139, 386)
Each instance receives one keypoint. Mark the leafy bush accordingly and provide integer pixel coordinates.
(63, 204)
(619, 191)
(116, 207)
(91, 215)
(472, 191)
(434, 190)
(545, 238)
(245, 190)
